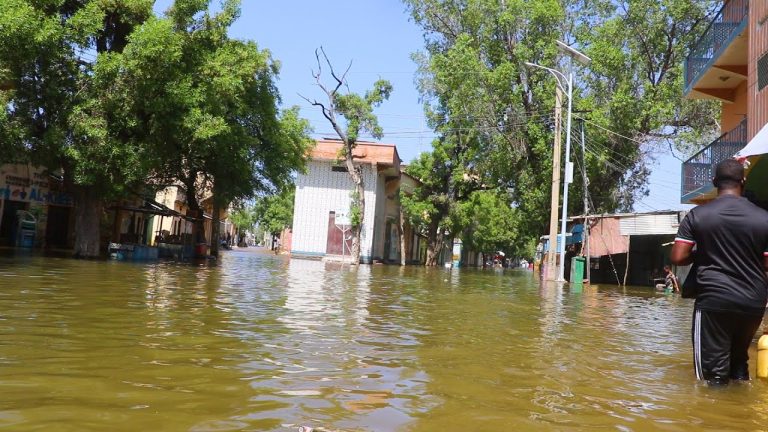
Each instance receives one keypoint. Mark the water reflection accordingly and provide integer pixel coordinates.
(259, 342)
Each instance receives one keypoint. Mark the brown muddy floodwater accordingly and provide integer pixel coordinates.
(266, 343)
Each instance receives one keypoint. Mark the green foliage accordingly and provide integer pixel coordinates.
(489, 223)
(274, 212)
(244, 217)
(209, 105)
(62, 108)
(119, 98)
(355, 212)
(493, 115)
(358, 110)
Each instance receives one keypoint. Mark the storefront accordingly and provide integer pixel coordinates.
(35, 210)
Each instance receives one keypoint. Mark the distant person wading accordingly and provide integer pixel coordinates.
(730, 237)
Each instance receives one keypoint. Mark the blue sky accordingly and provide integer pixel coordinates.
(378, 37)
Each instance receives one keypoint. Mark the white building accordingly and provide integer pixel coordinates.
(321, 210)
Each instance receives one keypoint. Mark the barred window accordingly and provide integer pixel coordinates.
(762, 72)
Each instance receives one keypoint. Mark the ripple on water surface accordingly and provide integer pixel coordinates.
(260, 342)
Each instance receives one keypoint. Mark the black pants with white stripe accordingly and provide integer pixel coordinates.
(720, 344)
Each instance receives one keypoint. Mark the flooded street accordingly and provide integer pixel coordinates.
(266, 343)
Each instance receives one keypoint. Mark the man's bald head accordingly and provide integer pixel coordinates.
(729, 174)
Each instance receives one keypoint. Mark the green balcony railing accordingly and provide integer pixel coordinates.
(698, 171)
(729, 22)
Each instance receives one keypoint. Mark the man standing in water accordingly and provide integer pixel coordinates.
(730, 235)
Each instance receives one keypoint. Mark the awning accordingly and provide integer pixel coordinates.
(757, 146)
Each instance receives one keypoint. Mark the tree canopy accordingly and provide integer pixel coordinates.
(274, 212)
(121, 99)
(493, 114)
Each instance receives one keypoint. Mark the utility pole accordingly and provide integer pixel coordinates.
(586, 200)
(568, 172)
(555, 203)
(562, 82)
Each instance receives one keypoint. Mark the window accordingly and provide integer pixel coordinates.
(338, 168)
(762, 72)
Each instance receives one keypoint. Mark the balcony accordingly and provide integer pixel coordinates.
(699, 170)
(718, 61)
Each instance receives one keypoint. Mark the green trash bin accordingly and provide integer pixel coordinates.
(577, 269)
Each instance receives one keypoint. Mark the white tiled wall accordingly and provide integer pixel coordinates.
(321, 191)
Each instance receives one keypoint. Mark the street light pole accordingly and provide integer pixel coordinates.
(567, 178)
(555, 198)
(551, 274)
(565, 83)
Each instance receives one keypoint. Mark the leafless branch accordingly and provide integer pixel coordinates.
(340, 81)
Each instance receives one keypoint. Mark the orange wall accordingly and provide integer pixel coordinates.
(734, 113)
(758, 45)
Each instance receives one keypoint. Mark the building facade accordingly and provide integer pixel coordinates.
(625, 248)
(321, 226)
(729, 63)
(35, 209)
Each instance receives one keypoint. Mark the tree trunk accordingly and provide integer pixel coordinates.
(215, 226)
(356, 174)
(434, 244)
(357, 230)
(401, 234)
(88, 211)
(194, 210)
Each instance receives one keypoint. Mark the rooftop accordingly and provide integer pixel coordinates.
(365, 152)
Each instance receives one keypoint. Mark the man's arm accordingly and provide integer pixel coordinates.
(682, 253)
(682, 250)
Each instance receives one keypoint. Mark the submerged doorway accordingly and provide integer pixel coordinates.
(9, 225)
(57, 227)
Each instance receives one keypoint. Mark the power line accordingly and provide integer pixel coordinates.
(533, 114)
(595, 148)
(609, 131)
(436, 133)
(622, 169)
(651, 143)
(623, 157)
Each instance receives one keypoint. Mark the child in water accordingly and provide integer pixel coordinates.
(670, 281)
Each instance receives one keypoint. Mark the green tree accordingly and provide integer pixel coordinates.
(210, 105)
(59, 107)
(446, 179)
(243, 217)
(479, 93)
(350, 114)
(274, 212)
(489, 223)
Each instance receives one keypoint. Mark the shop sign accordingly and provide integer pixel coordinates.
(19, 188)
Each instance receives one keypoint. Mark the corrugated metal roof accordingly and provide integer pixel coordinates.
(652, 223)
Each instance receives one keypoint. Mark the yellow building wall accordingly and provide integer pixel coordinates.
(734, 113)
(758, 46)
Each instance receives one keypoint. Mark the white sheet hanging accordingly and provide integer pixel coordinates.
(758, 145)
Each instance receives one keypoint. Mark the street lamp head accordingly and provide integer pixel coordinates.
(562, 80)
(574, 54)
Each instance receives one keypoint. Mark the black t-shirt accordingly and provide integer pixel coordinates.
(731, 238)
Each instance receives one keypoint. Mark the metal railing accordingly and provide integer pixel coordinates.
(698, 171)
(727, 24)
